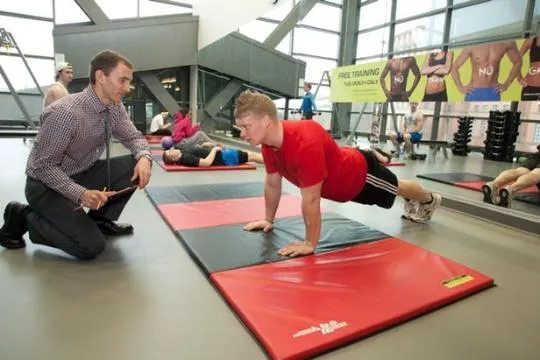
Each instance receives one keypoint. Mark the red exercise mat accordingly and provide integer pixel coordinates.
(202, 214)
(302, 307)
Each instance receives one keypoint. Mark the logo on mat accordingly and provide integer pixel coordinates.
(324, 328)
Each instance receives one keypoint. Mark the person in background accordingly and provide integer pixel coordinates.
(185, 133)
(63, 75)
(308, 106)
(160, 124)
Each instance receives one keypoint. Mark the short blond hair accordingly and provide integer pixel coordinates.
(256, 104)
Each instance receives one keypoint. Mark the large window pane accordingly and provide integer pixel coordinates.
(497, 17)
(20, 77)
(151, 8)
(374, 14)
(29, 7)
(316, 67)
(373, 43)
(281, 11)
(404, 8)
(285, 45)
(118, 9)
(33, 37)
(68, 12)
(315, 43)
(258, 30)
(419, 33)
(323, 16)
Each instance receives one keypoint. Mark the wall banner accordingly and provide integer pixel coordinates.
(503, 71)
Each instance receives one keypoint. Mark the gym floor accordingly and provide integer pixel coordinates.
(144, 298)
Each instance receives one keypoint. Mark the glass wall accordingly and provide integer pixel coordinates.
(30, 23)
(422, 26)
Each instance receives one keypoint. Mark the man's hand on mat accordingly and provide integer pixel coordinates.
(142, 171)
(93, 199)
(263, 225)
(296, 249)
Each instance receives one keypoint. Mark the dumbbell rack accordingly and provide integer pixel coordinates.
(462, 136)
(501, 135)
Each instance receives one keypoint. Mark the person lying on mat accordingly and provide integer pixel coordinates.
(527, 174)
(306, 154)
(185, 133)
(205, 156)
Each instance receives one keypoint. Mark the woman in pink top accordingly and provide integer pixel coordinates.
(186, 133)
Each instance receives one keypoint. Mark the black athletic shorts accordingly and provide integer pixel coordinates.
(381, 184)
(530, 93)
(307, 115)
(532, 162)
(440, 96)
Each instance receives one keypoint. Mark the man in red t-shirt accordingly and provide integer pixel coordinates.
(306, 155)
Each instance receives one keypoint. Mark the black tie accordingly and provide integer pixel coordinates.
(108, 150)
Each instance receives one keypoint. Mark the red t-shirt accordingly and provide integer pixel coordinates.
(309, 155)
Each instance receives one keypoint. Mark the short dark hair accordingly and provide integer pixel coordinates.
(106, 61)
(167, 159)
(184, 111)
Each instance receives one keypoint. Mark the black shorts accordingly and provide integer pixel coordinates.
(381, 184)
(440, 96)
(532, 162)
(307, 115)
(530, 93)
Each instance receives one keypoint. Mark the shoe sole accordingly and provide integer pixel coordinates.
(11, 245)
(486, 190)
(505, 198)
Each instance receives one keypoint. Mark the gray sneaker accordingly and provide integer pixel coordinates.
(410, 208)
(425, 211)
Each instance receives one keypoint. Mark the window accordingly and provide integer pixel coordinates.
(37, 41)
(506, 107)
(476, 108)
(281, 11)
(375, 13)
(68, 12)
(315, 43)
(373, 43)
(419, 33)
(537, 134)
(258, 30)
(119, 9)
(316, 67)
(152, 8)
(495, 107)
(474, 22)
(323, 16)
(404, 8)
(29, 7)
(19, 76)
(149, 110)
(485, 108)
(483, 124)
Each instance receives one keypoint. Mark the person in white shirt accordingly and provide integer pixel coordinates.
(158, 126)
(410, 130)
(63, 76)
